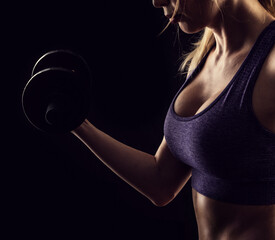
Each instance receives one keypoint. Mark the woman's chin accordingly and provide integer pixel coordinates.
(188, 28)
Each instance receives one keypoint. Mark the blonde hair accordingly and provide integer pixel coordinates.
(206, 41)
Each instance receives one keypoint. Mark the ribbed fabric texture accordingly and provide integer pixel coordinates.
(231, 154)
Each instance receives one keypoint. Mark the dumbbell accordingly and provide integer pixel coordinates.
(56, 98)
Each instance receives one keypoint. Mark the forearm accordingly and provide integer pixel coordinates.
(137, 168)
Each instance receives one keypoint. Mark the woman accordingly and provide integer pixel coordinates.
(220, 128)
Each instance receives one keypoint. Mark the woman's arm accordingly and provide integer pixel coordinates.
(158, 177)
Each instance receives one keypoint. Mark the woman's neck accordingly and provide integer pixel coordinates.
(239, 25)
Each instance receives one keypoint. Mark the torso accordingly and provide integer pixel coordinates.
(218, 220)
(224, 221)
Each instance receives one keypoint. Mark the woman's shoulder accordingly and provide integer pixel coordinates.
(268, 69)
(264, 93)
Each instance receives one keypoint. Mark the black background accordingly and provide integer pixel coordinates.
(52, 186)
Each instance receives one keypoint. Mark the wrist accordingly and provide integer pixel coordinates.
(84, 125)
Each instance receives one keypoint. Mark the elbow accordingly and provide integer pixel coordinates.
(163, 194)
(159, 203)
(162, 201)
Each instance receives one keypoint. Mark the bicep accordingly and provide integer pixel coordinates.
(175, 174)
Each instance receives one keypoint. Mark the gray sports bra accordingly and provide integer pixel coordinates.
(231, 154)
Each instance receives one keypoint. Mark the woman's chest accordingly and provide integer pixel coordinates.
(212, 80)
(211, 119)
(203, 89)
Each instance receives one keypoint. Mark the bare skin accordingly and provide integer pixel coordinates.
(160, 177)
(224, 221)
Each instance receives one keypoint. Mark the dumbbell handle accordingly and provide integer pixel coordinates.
(57, 110)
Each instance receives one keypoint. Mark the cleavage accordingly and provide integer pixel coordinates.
(200, 93)
(205, 86)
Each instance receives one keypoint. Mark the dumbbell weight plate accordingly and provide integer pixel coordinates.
(63, 59)
(55, 86)
(68, 60)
